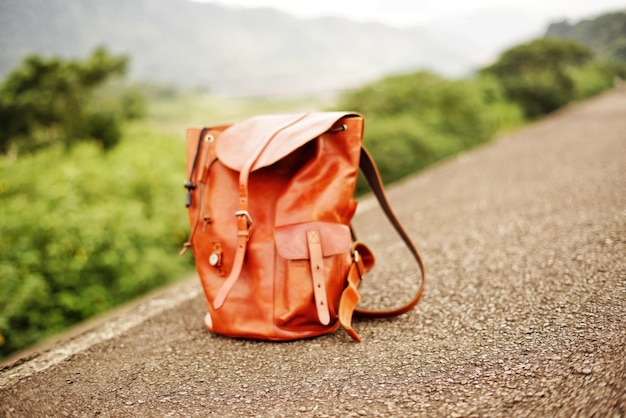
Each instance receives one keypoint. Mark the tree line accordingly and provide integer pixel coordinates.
(418, 118)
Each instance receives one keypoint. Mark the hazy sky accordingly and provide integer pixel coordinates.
(406, 12)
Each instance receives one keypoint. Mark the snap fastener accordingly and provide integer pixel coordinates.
(215, 259)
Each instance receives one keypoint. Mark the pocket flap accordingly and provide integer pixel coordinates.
(282, 134)
(291, 240)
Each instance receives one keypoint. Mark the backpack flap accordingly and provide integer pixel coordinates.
(277, 135)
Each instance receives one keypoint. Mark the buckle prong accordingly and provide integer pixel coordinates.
(246, 214)
(357, 258)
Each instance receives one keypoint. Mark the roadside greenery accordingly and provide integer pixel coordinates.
(536, 75)
(45, 102)
(92, 211)
(416, 119)
(83, 231)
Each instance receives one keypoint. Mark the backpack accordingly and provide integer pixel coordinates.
(270, 202)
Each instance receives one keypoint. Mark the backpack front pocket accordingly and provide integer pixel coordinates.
(312, 260)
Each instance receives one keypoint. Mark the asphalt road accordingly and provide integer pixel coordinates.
(523, 315)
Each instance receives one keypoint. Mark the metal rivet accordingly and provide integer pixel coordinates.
(214, 259)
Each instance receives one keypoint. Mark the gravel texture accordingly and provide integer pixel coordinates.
(523, 315)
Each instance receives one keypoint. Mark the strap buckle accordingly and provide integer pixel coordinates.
(246, 214)
(357, 258)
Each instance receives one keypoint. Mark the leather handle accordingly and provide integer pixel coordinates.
(372, 175)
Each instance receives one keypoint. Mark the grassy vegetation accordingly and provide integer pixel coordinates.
(416, 119)
(173, 111)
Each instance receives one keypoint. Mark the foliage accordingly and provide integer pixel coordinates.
(48, 101)
(595, 77)
(416, 119)
(83, 231)
(536, 74)
(605, 35)
(173, 111)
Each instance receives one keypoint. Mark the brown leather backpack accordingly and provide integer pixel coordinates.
(270, 202)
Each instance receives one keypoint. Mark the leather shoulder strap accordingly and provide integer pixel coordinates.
(369, 169)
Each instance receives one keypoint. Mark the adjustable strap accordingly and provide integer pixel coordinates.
(189, 184)
(369, 169)
(240, 253)
(244, 220)
(209, 158)
(317, 272)
(362, 261)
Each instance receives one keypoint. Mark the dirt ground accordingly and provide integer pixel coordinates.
(523, 314)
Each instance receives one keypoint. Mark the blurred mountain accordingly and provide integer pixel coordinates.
(245, 51)
(605, 34)
(232, 51)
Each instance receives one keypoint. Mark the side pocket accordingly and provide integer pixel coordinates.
(296, 304)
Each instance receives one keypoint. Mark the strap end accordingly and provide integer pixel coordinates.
(351, 332)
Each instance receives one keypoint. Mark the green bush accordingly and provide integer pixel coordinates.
(416, 119)
(83, 231)
(595, 77)
(536, 74)
(45, 101)
(398, 142)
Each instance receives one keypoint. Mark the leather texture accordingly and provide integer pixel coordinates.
(270, 201)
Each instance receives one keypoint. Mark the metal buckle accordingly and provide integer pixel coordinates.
(356, 256)
(246, 214)
(341, 128)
